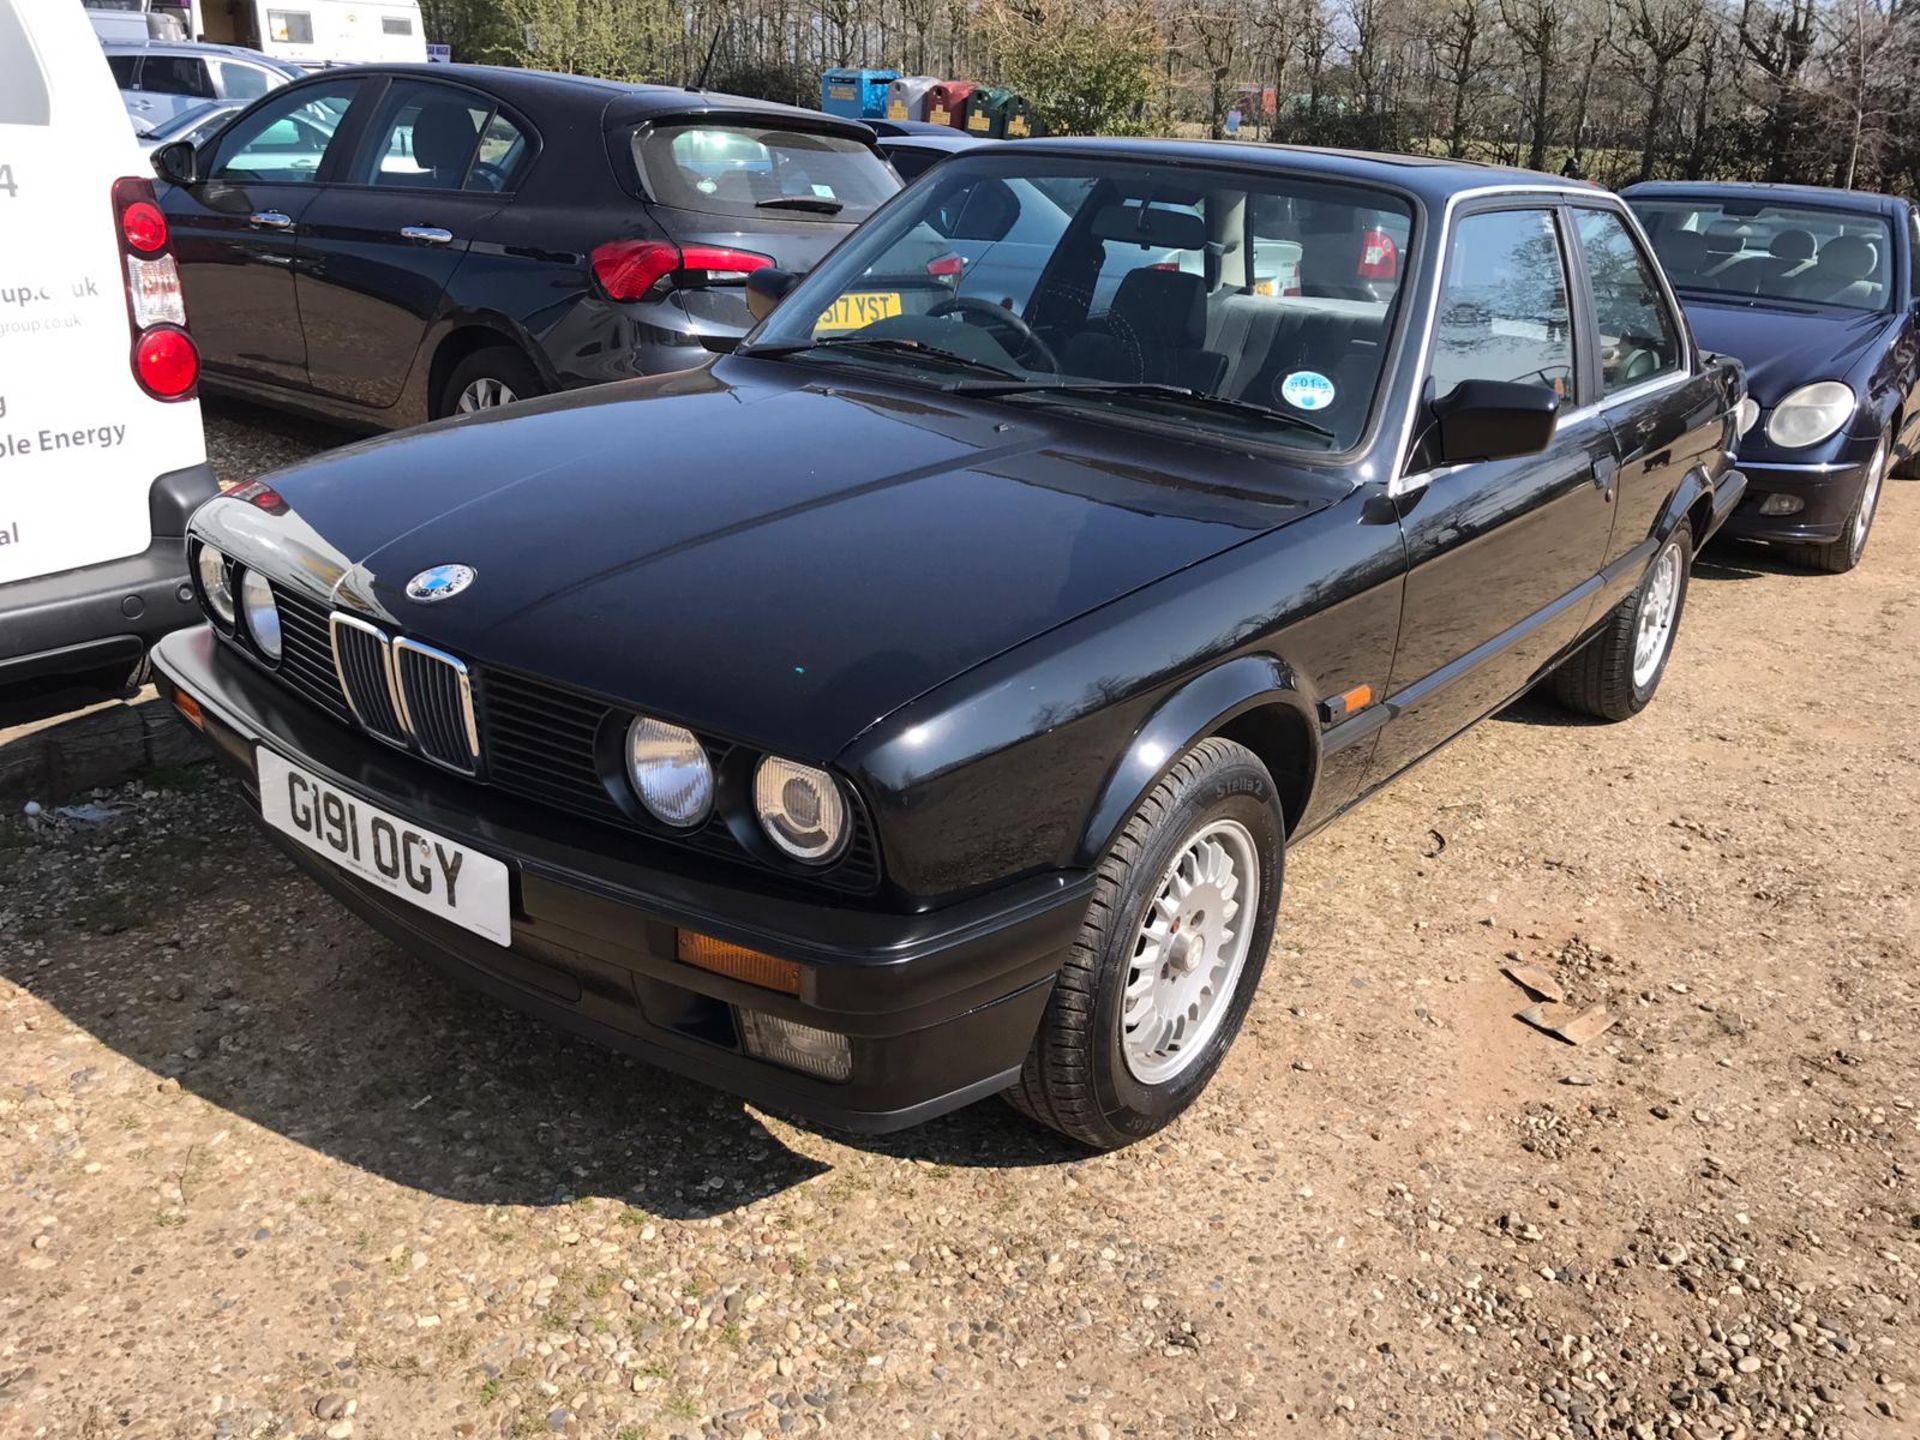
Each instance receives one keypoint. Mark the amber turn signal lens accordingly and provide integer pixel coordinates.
(736, 962)
(189, 708)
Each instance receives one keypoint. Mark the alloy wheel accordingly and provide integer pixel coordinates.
(484, 393)
(1190, 951)
(1658, 609)
(1869, 499)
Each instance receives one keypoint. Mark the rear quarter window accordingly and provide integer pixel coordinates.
(755, 170)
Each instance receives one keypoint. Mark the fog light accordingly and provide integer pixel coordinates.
(1782, 505)
(798, 1047)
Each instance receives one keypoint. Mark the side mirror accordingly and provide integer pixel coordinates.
(766, 288)
(1494, 420)
(177, 163)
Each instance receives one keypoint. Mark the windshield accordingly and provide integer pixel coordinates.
(757, 170)
(1250, 306)
(1772, 252)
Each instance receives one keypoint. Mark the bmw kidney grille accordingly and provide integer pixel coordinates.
(406, 693)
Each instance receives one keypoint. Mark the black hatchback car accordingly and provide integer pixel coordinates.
(1814, 291)
(924, 710)
(384, 245)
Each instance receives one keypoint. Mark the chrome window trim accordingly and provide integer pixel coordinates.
(334, 622)
(1548, 194)
(459, 667)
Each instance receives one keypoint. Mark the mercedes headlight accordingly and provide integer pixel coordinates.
(262, 615)
(1749, 413)
(213, 583)
(670, 772)
(1810, 414)
(800, 808)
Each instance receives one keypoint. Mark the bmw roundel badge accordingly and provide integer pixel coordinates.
(440, 583)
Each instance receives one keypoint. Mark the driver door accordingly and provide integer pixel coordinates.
(1504, 556)
(236, 232)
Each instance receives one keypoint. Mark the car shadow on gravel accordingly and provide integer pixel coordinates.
(212, 964)
(1739, 560)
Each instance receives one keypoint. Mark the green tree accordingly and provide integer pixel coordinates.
(1085, 67)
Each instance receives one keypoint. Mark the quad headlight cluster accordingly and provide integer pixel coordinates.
(800, 809)
(239, 599)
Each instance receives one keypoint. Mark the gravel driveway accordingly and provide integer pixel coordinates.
(265, 1175)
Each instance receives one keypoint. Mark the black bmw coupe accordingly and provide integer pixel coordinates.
(919, 706)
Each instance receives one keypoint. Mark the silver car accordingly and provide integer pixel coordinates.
(160, 79)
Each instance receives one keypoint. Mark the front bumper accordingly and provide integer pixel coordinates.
(1826, 494)
(940, 1007)
(104, 615)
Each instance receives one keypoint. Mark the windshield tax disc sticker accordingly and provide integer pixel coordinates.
(1307, 390)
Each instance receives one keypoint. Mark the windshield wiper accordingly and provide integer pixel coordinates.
(1148, 389)
(819, 204)
(889, 344)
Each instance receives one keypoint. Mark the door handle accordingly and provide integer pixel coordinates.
(426, 234)
(1605, 467)
(270, 220)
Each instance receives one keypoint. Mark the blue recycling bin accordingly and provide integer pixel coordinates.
(857, 94)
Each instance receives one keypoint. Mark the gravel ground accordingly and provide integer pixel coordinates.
(261, 1174)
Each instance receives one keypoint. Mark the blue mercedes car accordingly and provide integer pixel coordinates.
(1813, 290)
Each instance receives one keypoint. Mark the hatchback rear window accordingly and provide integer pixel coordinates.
(742, 169)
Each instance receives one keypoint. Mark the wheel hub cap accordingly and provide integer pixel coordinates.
(1190, 950)
(1869, 497)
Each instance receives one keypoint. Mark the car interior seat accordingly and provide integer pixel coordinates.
(443, 139)
(1155, 330)
(1841, 273)
(1683, 253)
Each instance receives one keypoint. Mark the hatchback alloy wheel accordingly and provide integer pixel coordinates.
(485, 393)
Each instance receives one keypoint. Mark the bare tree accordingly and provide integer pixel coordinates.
(1462, 50)
(1654, 35)
(1539, 28)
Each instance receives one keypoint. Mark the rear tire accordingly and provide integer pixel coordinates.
(1837, 557)
(487, 379)
(1615, 674)
(1182, 916)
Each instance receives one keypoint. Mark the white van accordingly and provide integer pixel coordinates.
(102, 457)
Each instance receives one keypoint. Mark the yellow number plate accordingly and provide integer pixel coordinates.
(858, 310)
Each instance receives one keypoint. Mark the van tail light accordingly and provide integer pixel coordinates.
(1379, 256)
(165, 361)
(630, 269)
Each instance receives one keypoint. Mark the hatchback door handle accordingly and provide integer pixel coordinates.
(426, 234)
(270, 220)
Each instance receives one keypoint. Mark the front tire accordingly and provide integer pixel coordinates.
(1836, 557)
(1169, 956)
(1614, 675)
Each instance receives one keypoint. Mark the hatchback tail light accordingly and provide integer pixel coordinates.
(165, 361)
(630, 269)
(1379, 256)
(946, 267)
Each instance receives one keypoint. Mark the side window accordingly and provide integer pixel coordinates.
(125, 69)
(285, 140)
(424, 139)
(1503, 312)
(502, 148)
(290, 27)
(1639, 337)
(176, 75)
(242, 82)
(396, 24)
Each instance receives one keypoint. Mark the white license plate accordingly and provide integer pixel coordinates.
(400, 857)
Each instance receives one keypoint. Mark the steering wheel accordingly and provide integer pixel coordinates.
(989, 316)
(496, 175)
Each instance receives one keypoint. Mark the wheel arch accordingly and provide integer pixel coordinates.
(1692, 501)
(1254, 700)
(468, 336)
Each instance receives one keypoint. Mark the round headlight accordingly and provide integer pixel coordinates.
(670, 772)
(800, 809)
(213, 583)
(262, 615)
(1810, 414)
